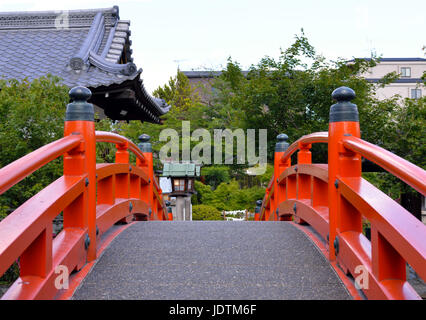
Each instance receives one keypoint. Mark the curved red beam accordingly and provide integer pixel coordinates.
(103, 136)
(23, 167)
(317, 137)
(24, 225)
(399, 167)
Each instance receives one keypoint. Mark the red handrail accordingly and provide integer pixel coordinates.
(335, 201)
(23, 167)
(28, 221)
(317, 137)
(155, 182)
(399, 167)
(103, 136)
(125, 193)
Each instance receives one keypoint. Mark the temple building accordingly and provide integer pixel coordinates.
(90, 48)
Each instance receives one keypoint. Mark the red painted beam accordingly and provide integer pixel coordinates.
(22, 227)
(399, 167)
(102, 136)
(400, 228)
(23, 167)
(317, 137)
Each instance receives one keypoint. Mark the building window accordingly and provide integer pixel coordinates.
(179, 184)
(416, 93)
(406, 72)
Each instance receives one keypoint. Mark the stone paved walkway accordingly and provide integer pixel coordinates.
(212, 260)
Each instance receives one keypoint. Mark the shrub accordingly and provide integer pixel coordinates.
(205, 212)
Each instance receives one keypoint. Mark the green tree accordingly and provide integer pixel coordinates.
(228, 196)
(177, 93)
(215, 175)
(185, 106)
(404, 136)
(32, 116)
(292, 94)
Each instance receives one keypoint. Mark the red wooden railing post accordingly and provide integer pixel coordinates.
(122, 181)
(279, 167)
(343, 121)
(303, 181)
(36, 260)
(304, 156)
(82, 161)
(122, 154)
(148, 167)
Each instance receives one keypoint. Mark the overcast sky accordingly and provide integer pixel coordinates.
(202, 34)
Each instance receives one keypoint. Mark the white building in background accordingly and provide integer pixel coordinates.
(409, 85)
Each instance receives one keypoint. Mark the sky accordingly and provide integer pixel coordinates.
(202, 34)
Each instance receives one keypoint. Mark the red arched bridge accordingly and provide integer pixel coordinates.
(118, 240)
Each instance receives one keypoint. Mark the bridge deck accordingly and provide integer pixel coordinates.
(212, 260)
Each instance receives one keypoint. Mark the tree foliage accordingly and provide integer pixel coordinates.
(32, 115)
(228, 196)
(291, 94)
(215, 175)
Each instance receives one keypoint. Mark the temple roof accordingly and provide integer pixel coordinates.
(83, 47)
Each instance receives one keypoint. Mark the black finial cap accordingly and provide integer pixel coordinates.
(169, 208)
(144, 138)
(344, 109)
(79, 109)
(282, 144)
(144, 144)
(80, 94)
(258, 206)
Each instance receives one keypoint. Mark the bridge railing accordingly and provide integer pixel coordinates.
(334, 200)
(92, 197)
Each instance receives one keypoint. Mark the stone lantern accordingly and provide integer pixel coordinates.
(182, 176)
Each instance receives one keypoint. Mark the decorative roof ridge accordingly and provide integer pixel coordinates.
(109, 41)
(127, 69)
(118, 40)
(80, 59)
(109, 59)
(59, 19)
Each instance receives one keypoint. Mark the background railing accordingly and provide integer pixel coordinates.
(334, 200)
(92, 198)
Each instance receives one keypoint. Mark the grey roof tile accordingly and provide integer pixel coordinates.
(32, 46)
